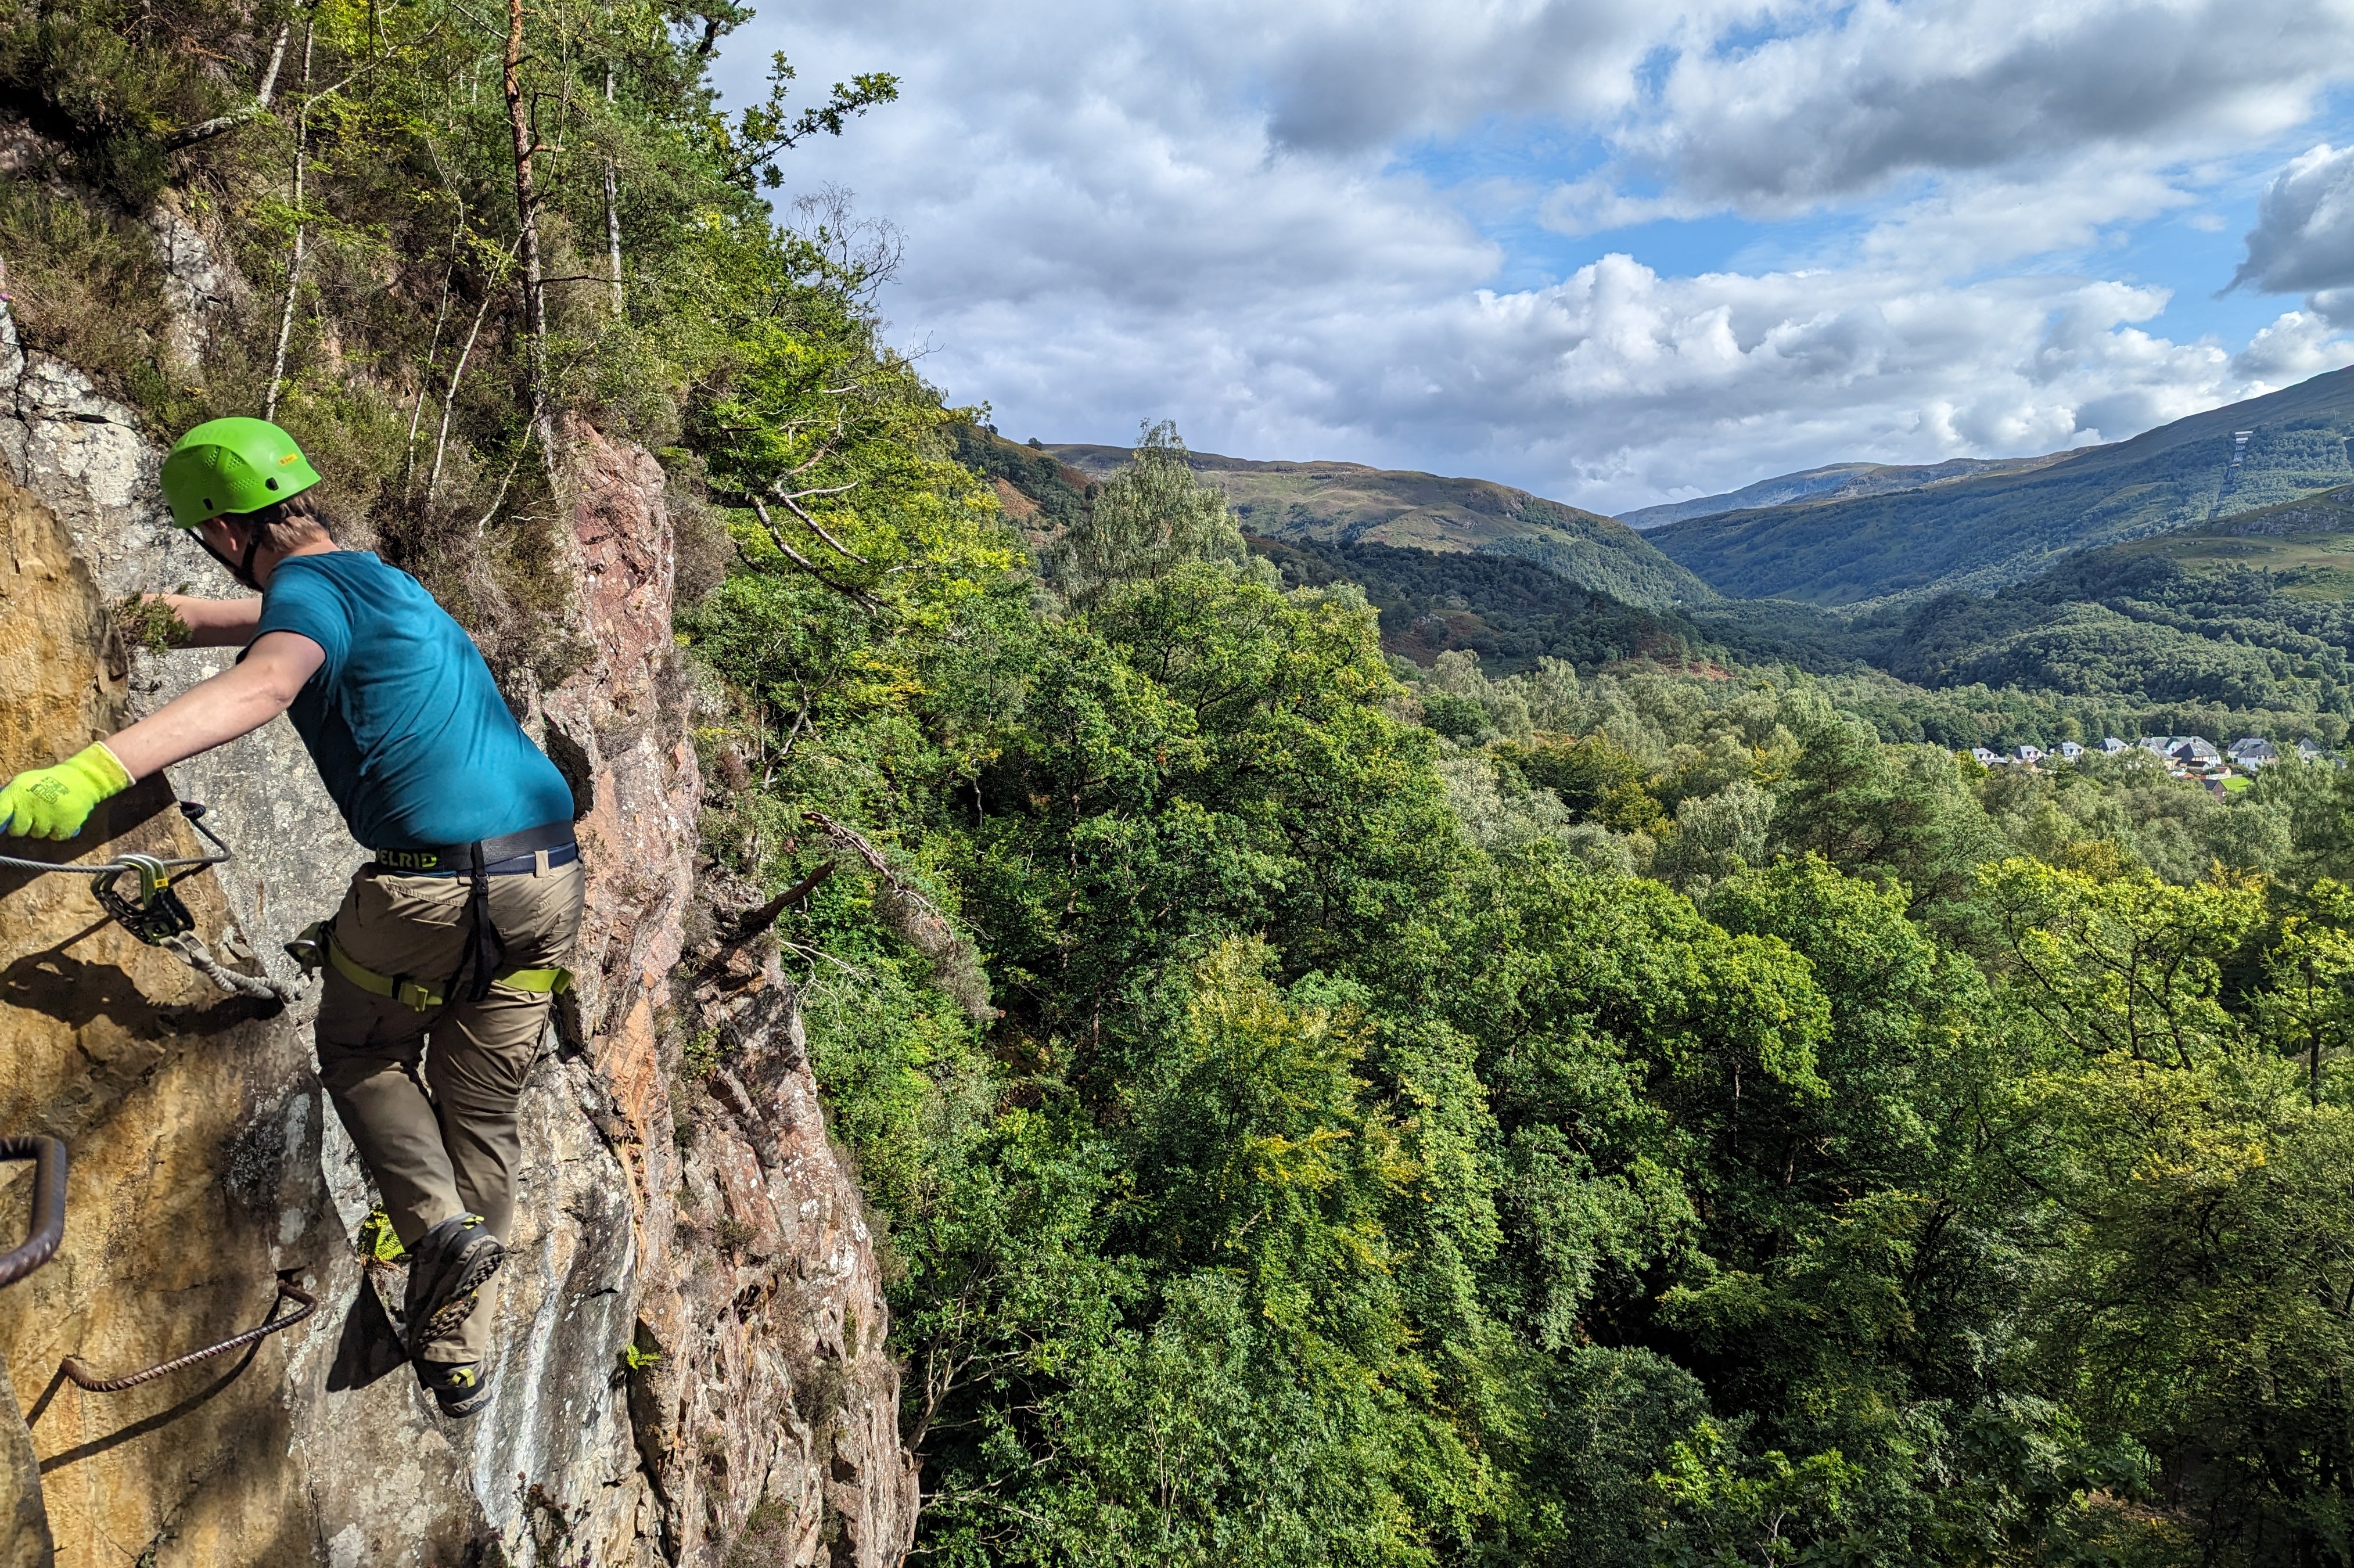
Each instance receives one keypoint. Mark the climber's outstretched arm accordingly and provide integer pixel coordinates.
(232, 703)
(54, 802)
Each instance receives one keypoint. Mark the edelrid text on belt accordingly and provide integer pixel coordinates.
(149, 909)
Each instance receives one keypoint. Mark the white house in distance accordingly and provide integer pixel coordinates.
(2112, 745)
(2253, 751)
(2069, 751)
(2028, 756)
(2184, 750)
(2310, 750)
(1983, 758)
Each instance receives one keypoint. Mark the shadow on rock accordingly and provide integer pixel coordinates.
(369, 1347)
(79, 995)
(139, 1428)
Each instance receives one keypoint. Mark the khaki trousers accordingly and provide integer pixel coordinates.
(444, 1142)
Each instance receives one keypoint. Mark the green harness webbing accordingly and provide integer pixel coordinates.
(317, 943)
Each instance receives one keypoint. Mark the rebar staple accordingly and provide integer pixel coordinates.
(48, 1222)
(80, 1378)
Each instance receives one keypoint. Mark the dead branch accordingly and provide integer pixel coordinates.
(755, 921)
(955, 961)
(457, 372)
(819, 528)
(865, 600)
(220, 124)
(432, 349)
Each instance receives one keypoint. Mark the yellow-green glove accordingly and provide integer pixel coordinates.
(54, 802)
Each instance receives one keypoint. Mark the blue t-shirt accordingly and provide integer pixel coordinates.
(408, 730)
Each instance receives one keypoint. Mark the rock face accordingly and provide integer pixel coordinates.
(691, 1357)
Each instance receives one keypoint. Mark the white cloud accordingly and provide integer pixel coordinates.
(1887, 89)
(2292, 348)
(1202, 209)
(1596, 205)
(2303, 238)
(1976, 221)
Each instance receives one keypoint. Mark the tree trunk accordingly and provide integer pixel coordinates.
(294, 263)
(612, 210)
(535, 293)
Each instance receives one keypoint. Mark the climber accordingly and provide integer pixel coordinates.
(448, 947)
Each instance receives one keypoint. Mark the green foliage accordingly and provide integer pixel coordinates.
(1147, 518)
(145, 622)
(1059, 493)
(1367, 1167)
(751, 145)
(369, 210)
(1604, 1114)
(1508, 612)
(2139, 627)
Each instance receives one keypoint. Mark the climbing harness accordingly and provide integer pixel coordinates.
(154, 913)
(48, 1225)
(306, 1303)
(316, 949)
(534, 848)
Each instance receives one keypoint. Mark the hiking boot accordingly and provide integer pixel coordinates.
(446, 1267)
(459, 1387)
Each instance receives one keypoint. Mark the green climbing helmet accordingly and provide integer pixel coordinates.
(227, 466)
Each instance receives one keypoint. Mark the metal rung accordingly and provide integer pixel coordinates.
(80, 1378)
(48, 1222)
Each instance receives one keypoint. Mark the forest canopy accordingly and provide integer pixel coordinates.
(1643, 1117)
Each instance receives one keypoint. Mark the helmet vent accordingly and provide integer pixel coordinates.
(271, 483)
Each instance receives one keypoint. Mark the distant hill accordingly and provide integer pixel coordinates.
(2156, 626)
(1837, 481)
(2000, 528)
(1349, 504)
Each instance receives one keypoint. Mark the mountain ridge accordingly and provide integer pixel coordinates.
(1985, 532)
(1836, 482)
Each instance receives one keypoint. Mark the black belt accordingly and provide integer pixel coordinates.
(508, 854)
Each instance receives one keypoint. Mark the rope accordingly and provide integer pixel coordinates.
(80, 1377)
(191, 951)
(192, 810)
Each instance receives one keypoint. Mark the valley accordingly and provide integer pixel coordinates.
(2095, 577)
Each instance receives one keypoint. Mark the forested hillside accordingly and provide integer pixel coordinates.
(1369, 1161)
(1986, 532)
(1349, 504)
(1309, 1114)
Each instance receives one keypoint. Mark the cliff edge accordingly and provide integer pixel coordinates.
(691, 1366)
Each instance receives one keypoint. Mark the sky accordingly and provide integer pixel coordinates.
(1616, 251)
